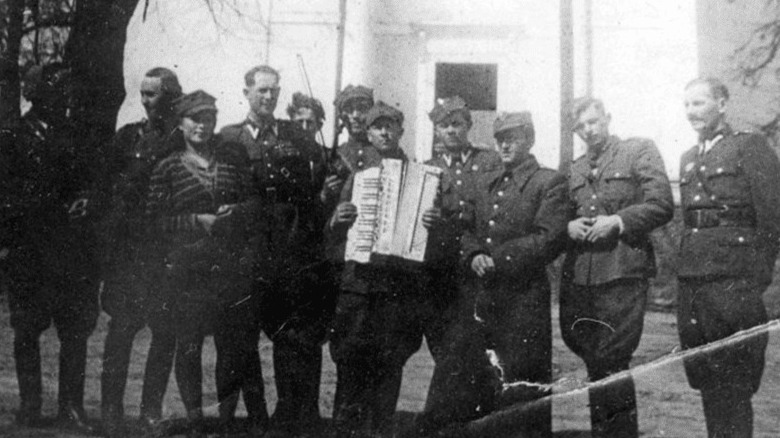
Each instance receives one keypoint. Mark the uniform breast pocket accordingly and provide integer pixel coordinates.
(618, 190)
(725, 181)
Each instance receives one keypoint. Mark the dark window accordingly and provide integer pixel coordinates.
(477, 84)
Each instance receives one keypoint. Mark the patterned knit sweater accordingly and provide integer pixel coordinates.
(182, 188)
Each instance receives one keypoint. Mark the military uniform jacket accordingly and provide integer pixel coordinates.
(289, 171)
(358, 154)
(628, 179)
(521, 221)
(129, 160)
(731, 206)
(457, 199)
(356, 277)
(43, 175)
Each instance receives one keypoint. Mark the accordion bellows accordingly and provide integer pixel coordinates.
(391, 200)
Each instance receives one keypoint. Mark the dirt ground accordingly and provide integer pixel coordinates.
(667, 406)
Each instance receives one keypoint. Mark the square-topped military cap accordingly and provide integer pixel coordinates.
(381, 109)
(353, 92)
(194, 103)
(506, 121)
(446, 106)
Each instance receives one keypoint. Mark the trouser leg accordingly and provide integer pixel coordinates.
(73, 361)
(728, 415)
(159, 364)
(189, 373)
(116, 360)
(28, 370)
(613, 410)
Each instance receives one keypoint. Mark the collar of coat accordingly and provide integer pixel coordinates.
(519, 174)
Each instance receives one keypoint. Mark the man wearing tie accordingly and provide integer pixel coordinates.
(730, 194)
(620, 192)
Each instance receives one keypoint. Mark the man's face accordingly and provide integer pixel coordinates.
(704, 111)
(453, 132)
(384, 134)
(198, 128)
(513, 145)
(152, 97)
(353, 114)
(307, 120)
(592, 126)
(263, 95)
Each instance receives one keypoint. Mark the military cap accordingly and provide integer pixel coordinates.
(354, 92)
(446, 106)
(194, 103)
(381, 109)
(506, 121)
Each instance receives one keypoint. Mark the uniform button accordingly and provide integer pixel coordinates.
(458, 172)
(461, 203)
(593, 196)
(593, 207)
(268, 165)
(720, 170)
(703, 168)
(506, 178)
(508, 258)
(495, 206)
(741, 239)
(272, 177)
(500, 193)
(492, 223)
(693, 321)
(697, 198)
(360, 164)
(695, 230)
(488, 240)
(698, 184)
(360, 152)
(138, 155)
(459, 182)
(712, 197)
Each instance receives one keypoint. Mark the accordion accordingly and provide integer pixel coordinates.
(391, 200)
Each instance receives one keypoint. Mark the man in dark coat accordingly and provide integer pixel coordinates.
(381, 310)
(500, 352)
(620, 192)
(289, 170)
(133, 295)
(462, 165)
(49, 247)
(730, 193)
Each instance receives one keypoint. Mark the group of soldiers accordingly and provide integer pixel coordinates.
(195, 233)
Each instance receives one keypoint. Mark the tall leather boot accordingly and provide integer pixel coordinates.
(73, 360)
(613, 410)
(116, 360)
(728, 415)
(159, 365)
(28, 373)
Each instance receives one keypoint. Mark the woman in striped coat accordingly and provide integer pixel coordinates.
(202, 203)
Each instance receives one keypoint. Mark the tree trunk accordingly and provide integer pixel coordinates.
(9, 65)
(95, 52)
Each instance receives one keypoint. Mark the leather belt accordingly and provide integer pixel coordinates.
(711, 218)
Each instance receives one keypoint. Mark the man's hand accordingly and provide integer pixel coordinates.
(578, 228)
(345, 215)
(431, 217)
(331, 187)
(78, 209)
(482, 264)
(604, 227)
